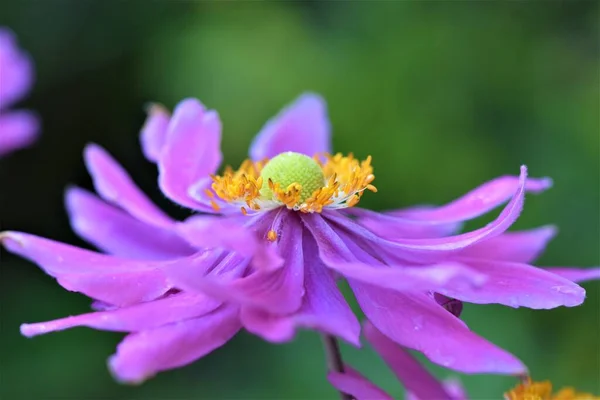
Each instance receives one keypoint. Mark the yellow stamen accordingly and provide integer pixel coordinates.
(345, 180)
(530, 390)
(272, 235)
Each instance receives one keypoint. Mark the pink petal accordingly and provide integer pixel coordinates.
(576, 274)
(478, 201)
(154, 132)
(143, 316)
(419, 323)
(427, 250)
(410, 372)
(276, 290)
(452, 386)
(323, 307)
(523, 246)
(114, 185)
(518, 285)
(190, 153)
(16, 70)
(302, 127)
(204, 231)
(353, 383)
(350, 260)
(141, 355)
(116, 232)
(111, 279)
(18, 129)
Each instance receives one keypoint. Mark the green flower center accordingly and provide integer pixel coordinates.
(288, 168)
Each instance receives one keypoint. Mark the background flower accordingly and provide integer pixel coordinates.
(444, 97)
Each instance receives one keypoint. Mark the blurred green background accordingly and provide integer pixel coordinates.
(443, 95)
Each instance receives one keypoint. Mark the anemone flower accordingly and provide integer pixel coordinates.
(421, 385)
(269, 242)
(17, 128)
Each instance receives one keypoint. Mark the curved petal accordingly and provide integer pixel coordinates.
(522, 246)
(18, 129)
(16, 70)
(107, 278)
(452, 386)
(341, 255)
(415, 378)
(116, 186)
(277, 290)
(190, 153)
(419, 323)
(141, 355)
(576, 274)
(139, 317)
(205, 231)
(323, 307)
(154, 132)
(518, 285)
(302, 127)
(116, 232)
(428, 250)
(479, 201)
(353, 383)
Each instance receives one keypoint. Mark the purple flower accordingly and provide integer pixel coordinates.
(17, 128)
(271, 241)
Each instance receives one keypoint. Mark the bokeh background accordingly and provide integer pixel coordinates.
(443, 95)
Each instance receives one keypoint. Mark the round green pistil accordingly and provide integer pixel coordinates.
(288, 168)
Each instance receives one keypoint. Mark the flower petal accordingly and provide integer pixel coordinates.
(276, 290)
(141, 355)
(479, 201)
(323, 307)
(16, 70)
(143, 316)
(576, 274)
(302, 127)
(522, 246)
(18, 129)
(107, 278)
(352, 261)
(353, 383)
(204, 231)
(419, 323)
(116, 186)
(191, 152)
(154, 132)
(518, 285)
(428, 250)
(410, 372)
(116, 232)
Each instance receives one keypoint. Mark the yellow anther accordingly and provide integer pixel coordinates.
(272, 235)
(530, 390)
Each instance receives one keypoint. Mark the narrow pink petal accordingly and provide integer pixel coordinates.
(576, 274)
(205, 231)
(116, 232)
(16, 70)
(427, 250)
(114, 184)
(353, 383)
(111, 279)
(323, 307)
(518, 285)
(276, 290)
(419, 323)
(397, 227)
(154, 132)
(341, 255)
(478, 201)
(148, 315)
(522, 246)
(191, 152)
(452, 386)
(302, 127)
(410, 372)
(18, 129)
(141, 355)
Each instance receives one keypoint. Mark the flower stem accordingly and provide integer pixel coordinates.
(334, 359)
